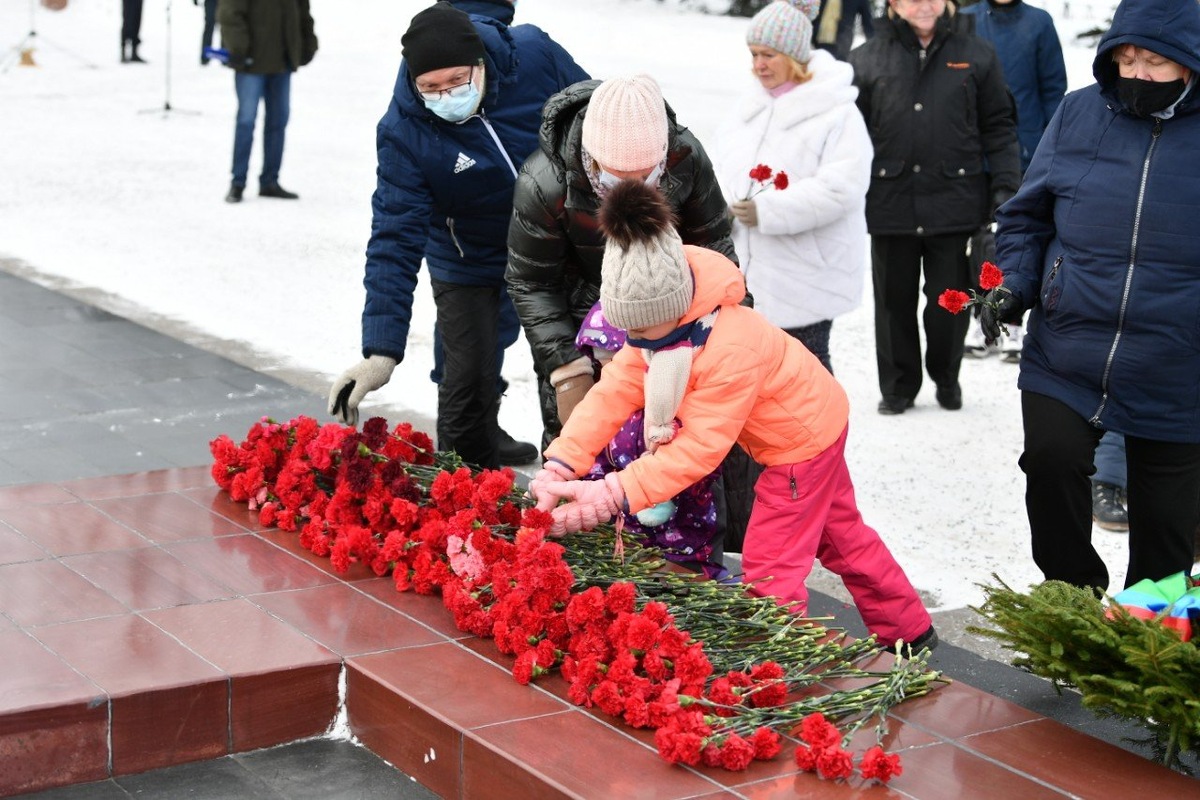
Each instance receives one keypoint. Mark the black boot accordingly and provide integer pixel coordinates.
(134, 58)
(235, 193)
(275, 190)
(124, 52)
(513, 453)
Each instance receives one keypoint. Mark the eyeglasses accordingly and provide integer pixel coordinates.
(460, 90)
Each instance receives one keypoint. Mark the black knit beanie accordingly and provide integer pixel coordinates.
(440, 36)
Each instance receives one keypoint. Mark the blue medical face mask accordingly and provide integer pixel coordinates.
(456, 103)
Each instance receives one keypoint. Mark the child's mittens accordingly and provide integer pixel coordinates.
(591, 503)
(656, 515)
(552, 472)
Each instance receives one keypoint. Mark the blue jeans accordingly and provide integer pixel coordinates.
(1110, 460)
(275, 90)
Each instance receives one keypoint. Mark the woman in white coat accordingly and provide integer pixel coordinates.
(802, 248)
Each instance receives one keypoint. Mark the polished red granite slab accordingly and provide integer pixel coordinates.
(147, 620)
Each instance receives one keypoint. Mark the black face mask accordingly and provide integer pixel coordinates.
(1143, 98)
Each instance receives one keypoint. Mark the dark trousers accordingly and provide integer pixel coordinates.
(131, 21)
(507, 333)
(467, 317)
(210, 26)
(816, 338)
(897, 263)
(1163, 484)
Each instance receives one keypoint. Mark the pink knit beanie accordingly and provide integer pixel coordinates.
(785, 26)
(626, 124)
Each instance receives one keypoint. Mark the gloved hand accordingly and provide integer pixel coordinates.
(745, 212)
(999, 198)
(552, 472)
(999, 306)
(591, 502)
(353, 384)
(571, 382)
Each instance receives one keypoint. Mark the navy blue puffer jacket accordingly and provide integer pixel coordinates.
(444, 191)
(1102, 242)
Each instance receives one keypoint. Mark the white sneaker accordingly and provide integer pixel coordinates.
(975, 347)
(1010, 351)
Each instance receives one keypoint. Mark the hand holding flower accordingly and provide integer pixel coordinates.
(745, 212)
(996, 307)
(766, 178)
(999, 305)
(591, 503)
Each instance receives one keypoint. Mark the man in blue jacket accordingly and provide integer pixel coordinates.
(464, 115)
(1101, 243)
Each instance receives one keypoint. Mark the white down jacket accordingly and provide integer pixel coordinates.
(804, 260)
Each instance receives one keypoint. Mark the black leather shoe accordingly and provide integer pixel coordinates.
(950, 397)
(235, 193)
(275, 190)
(892, 404)
(514, 453)
(1108, 511)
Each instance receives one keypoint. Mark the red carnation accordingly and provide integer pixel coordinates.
(834, 763)
(737, 753)
(878, 765)
(781, 181)
(990, 276)
(761, 173)
(953, 300)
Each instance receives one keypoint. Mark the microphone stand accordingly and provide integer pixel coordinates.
(167, 109)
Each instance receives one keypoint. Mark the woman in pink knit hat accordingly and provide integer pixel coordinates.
(802, 248)
(594, 134)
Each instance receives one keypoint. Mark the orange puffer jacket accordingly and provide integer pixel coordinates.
(750, 383)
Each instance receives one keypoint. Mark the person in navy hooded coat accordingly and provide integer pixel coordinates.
(1101, 243)
(464, 116)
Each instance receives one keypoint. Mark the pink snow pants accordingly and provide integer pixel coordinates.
(807, 510)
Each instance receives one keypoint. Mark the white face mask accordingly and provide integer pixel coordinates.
(610, 181)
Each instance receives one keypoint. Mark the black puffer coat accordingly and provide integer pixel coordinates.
(944, 128)
(555, 246)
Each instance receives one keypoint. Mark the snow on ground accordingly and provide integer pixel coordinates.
(104, 193)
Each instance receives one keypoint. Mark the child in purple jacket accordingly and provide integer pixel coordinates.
(683, 527)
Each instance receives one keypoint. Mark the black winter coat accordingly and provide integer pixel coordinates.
(944, 128)
(266, 37)
(554, 244)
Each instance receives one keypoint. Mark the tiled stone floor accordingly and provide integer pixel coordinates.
(146, 620)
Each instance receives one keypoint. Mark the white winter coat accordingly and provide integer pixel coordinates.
(804, 260)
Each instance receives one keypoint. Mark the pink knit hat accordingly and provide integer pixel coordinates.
(626, 124)
(785, 26)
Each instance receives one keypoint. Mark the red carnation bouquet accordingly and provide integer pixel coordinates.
(955, 301)
(765, 178)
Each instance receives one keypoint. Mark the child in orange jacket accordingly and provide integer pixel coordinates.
(693, 354)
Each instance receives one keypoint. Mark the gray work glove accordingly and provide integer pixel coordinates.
(353, 384)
